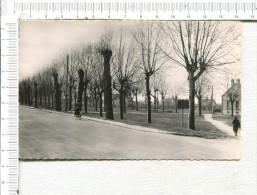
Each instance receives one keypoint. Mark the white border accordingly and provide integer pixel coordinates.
(159, 177)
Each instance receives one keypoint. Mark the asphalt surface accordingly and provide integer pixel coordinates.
(44, 135)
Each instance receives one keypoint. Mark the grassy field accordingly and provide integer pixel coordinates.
(227, 119)
(170, 122)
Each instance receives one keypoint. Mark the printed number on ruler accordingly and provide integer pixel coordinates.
(238, 10)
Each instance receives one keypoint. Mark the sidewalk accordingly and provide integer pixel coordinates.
(220, 125)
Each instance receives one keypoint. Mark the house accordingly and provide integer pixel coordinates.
(231, 99)
(208, 104)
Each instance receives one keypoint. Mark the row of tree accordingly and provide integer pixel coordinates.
(132, 62)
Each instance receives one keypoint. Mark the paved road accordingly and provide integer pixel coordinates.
(45, 135)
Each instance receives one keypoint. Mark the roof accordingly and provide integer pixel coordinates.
(208, 101)
(236, 85)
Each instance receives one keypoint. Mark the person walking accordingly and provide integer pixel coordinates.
(236, 125)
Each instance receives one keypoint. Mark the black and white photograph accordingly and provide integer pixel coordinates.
(129, 90)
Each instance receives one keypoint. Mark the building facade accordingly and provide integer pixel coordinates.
(231, 99)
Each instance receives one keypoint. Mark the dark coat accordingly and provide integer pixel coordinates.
(236, 124)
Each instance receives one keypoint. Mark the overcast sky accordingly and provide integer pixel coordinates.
(43, 41)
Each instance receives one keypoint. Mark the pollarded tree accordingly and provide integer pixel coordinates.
(155, 85)
(104, 47)
(148, 39)
(35, 90)
(89, 58)
(163, 90)
(125, 66)
(136, 89)
(198, 46)
(176, 89)
(202, 86)
(57, 86)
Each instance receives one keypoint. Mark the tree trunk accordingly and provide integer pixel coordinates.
(58, 101)
(154, 101)
(232, 108)
(107, 53)
(191, 116)
(162, 106)
(121, 104)
(75, 95)
(81, 88)
(101, 103)
(95, 95)
(124, 103)
(157, 102)
(66, 86)
(21, 99)
(136, 102)
(147, 80)
(200, 105)
(40, 99)
(70, 97)
(176, 105)
(85, 96)
(52, 101)
(29, 103)
(45, 100)
(48, 101)
(35, 84)
(132, 104)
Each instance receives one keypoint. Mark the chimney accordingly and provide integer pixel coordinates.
(232, 82)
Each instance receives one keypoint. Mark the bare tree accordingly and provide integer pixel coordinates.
(136, 89)
(202, 86)
(198, 46)
(148, 39)
(176, 90)
(104, 47)
(163, 90)
(125, 66)
(57, 85)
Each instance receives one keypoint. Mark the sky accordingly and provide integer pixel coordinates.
(41, 42)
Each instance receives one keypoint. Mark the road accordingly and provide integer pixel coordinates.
(44, 135)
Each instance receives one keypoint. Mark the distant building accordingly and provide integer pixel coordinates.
(233, 94)
(208, 104)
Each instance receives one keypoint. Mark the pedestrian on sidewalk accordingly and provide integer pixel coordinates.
(236, 125)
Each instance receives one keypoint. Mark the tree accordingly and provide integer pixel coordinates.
(104, 47)
(137, 88)
(35, 91)
(198, 46)
(202, 86)
(90, 58)
(163, 91)
(148, 39)
(176, 90)
(58, 101)
(80, 87)
(125, 66)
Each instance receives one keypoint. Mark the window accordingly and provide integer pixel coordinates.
(228, 104)
(237, 105)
